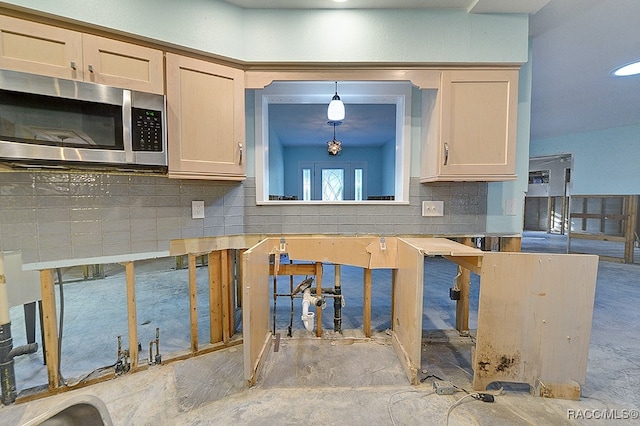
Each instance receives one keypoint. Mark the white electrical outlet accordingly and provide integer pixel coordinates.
(197, 209)
(433, 208)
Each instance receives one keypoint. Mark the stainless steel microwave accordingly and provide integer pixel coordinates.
(51, 122)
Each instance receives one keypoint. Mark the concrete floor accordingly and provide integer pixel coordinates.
(352, 380)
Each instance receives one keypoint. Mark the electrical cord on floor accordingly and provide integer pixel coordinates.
(484, 397)
(390, 404)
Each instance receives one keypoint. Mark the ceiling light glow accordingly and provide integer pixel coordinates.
(627, 70)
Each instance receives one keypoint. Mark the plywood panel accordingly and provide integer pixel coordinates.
(364, 252)
(407, 308)
(534, 321)
(256, 308)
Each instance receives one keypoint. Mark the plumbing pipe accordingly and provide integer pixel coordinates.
(308, 318)
(7, 351)
(337, 302)
(156, 342)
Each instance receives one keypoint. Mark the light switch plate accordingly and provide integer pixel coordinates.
(433, 208)
(197, 209)
(511, 207)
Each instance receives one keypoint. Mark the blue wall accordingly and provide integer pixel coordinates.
(293, 156)
(388, 168)
(276, 165)
(605, 162)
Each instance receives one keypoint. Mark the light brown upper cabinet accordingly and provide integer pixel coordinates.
(469, 126)
(56, 52)
(205, 106)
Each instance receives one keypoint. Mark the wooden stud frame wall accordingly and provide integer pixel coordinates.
(514, 287)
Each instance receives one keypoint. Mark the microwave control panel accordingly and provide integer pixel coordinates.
(147, 130)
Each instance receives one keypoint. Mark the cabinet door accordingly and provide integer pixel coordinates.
(205, 104)
(120, 64)
(40, 49)
(478, 125)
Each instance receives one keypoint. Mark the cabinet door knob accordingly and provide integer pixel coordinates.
(446, 153)
(73, 65)
(240, 146)
(90, 68)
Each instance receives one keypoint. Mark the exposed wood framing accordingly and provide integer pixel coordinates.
(50, 327)
(215, 298)
(132, 315)
(295, 269)
(631, 212)
(510, 244)
(193, 303)
(228, 299)
(462, 305)
(366, 306)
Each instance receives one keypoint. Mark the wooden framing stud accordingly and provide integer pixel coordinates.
(215, 298)
(193, 305)
(366, 314)
(132, 315)
(50, 327)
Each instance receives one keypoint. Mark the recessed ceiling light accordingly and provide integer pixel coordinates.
(629, 69)
(339, 1)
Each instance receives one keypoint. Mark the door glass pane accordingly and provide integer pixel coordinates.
(332, 184)
(358, 184)
(306, 184)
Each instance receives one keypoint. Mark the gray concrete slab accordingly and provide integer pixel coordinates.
(359, 381)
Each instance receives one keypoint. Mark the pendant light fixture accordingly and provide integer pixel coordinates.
(335, 112)
(334, 146)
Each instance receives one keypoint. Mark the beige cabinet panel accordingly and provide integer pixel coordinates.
(205, 104)
(475, 118)
(57, 52)
(116, 63)
(40, 49)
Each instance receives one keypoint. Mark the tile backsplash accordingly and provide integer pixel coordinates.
(63, 215)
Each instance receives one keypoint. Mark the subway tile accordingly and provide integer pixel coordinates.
(86, 239)
(166, 200)
(116, 248)
(18, 242)
(144, 246)
(17, 216)
(192, 232)
(19, 229)
(169, 212)
(18, 202)
(143, 224)
(56, 253)
(48, 241)
(18, 188)
(54, 227)
(167, 223)
(116, 237)
(217, 220)
(85, 214)
(87, 250)
(142, 212)
(163, 234)
(52, 184)
(114, 213)
(116, 225)
(142, 190)
(212, 231)
(86, 226)
(115, 189)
